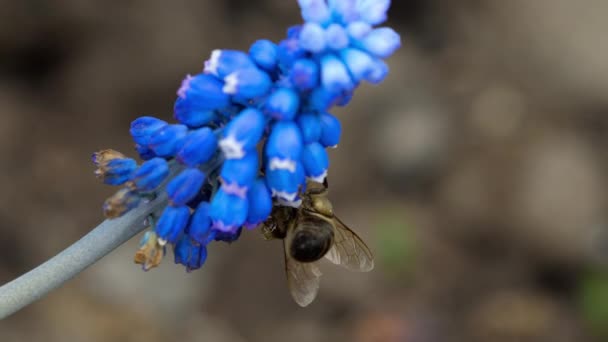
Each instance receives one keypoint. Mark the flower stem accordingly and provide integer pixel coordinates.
(106, 237)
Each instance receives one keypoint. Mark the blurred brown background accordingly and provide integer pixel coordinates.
(477, 173)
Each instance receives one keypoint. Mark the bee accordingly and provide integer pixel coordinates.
(310, 233)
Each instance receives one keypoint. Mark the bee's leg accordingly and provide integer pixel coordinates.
(325, 183)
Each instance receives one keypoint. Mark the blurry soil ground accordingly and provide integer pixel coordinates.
(477, 172)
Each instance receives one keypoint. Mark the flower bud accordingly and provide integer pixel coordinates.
(334, 75)
(227, 211)
(282, 104)
(198, 148)
(304, 74)
(224, 62)
(264, 54)
(200, 224)
(331, 129)
(238, 174)
(310, 126)
(260, 203)
(243, 133)
(189, 253)
(144, 127)
(247, 83)
(150, 174)
(315, 161)
(120, 203)
(168, 140)
(171, 224)
(185, 186)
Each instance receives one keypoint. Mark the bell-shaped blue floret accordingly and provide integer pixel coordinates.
(304, 74)
(344, 11)
(224, 62)
(172, 223)
(238, 174)
(193, 118)
(312, 37)
(185, 186)
(150, 174)
(284, 146)
(310, 126)
(229, 236)
(334, 75)
(168, 140)
(116, 171)
(336, 37)
(260, 203)
(227, 211)
(378, 72)
(247, 83)
(264, 53)
(198, 148)
(315, 11)
(359, 63)
(144, 152)
(381, 42)
(243, 133)
(315, 161)
(357, 30)
(289, 51)
(189, 253)
(144, 127)
(331, 129)
(285, 184)
(199, 93)
(322, 99)
(282, 104)
(200, 224)
(373, 11)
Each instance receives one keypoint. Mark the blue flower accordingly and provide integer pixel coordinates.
(189, 253)
(150, 174)
(224, 62)
(265, 54)
(198, 148)
(200, 224)
(304, 74)
(168, 140)
(171, 224)
(243, 133)
(260, 203)
(278, 95)
(144, 127)
(282, 104)
(247, 83)
(228, 212)
(238, 174)
(113, 167)
(331, 129)
(315, 161)
(185, 186)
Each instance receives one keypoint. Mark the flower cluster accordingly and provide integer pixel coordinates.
(251, 128)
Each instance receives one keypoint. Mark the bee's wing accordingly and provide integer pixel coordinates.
(302, 279)
(349, 250)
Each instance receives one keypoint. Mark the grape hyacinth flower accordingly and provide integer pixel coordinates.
(250, 129)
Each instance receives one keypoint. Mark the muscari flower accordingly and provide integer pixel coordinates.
(251, 128)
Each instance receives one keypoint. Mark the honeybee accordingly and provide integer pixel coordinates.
(310, 233)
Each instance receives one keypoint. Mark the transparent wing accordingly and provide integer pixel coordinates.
(349, 250)
(302, 279)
